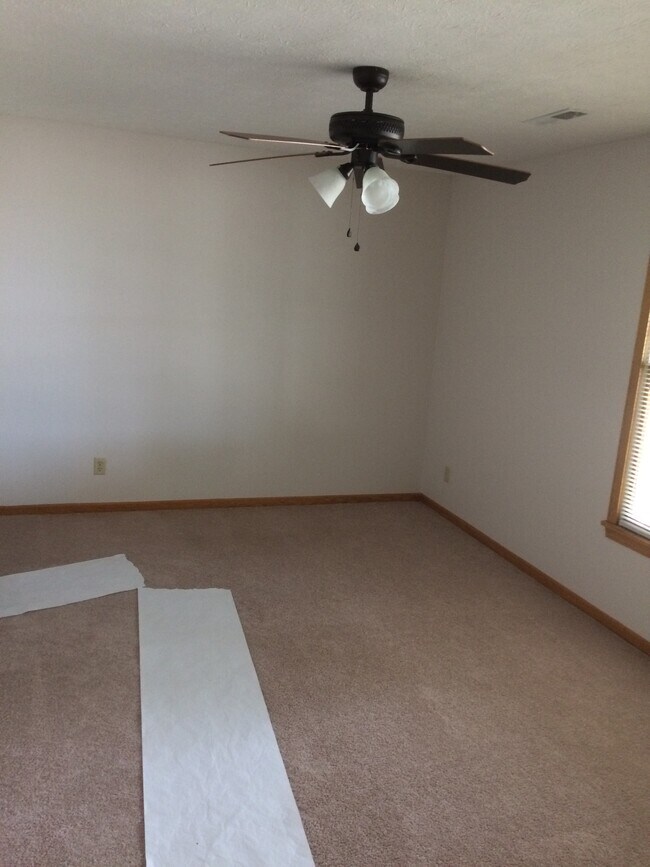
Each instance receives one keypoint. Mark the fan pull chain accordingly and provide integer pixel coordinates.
(356, 246)
(349, 232)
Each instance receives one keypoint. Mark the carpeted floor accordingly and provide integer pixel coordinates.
(433, 705)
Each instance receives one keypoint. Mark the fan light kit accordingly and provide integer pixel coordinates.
(365, 138)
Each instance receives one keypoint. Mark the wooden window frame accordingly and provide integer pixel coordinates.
(612, 528)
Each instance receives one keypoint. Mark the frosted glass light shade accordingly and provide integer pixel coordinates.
(329, 185)
(380, 192)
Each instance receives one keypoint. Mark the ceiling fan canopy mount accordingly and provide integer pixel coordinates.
(370, 79)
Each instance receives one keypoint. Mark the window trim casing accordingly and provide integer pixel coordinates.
(613, 530)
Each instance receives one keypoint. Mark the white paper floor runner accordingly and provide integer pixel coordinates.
(215, 788)
(60, 585)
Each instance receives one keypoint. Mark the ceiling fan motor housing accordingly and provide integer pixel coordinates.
(350, 128)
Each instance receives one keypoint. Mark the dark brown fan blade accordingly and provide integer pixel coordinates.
(412, 146)
(465, 167)
(278, 139)
(279, 157)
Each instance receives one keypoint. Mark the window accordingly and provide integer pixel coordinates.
(628, 519)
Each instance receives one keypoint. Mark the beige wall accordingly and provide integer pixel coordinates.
(209, 331)
(541, 295)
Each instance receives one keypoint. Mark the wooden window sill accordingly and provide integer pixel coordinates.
(627, 538)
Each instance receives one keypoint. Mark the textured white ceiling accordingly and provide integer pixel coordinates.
(474, 68)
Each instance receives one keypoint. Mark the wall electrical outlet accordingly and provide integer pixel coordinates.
(447, 474)
(99, 466)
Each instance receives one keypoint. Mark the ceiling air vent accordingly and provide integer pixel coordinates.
(562, 114)
(568, 114)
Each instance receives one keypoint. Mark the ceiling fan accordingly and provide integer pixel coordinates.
(366, 137)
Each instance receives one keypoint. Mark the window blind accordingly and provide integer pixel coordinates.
(635, 503)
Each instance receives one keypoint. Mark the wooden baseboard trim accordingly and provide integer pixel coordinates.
(568, 595)
(222, 503)
(330, 499)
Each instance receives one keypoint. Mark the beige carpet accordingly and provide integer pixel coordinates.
(433, 705)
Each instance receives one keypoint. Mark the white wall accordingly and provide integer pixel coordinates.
(541, 296)
(212, 334)
(208, 330)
